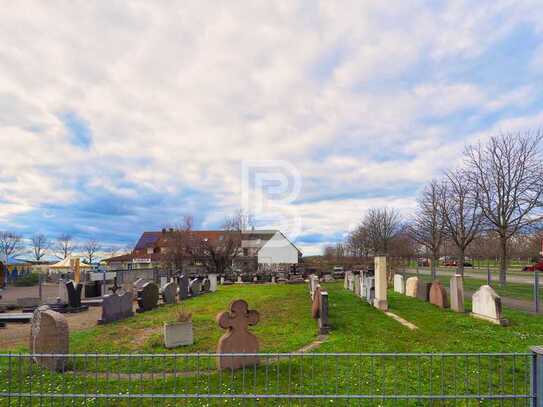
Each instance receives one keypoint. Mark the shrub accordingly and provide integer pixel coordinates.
(27, 280)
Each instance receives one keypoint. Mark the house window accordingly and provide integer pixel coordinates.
(149, 250)
(245, 252)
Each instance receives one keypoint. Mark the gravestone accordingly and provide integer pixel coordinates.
(319, 310)
(74, 294)
(127, 300)
(399, 286)
(148, 297)
(195, 287)
(411, 286)
(423, 290)
(487, 305)
(346, 280)
(438, 295)
(273, 280)
(237, 339)
(457, 293)
(116, 307)
(369, 285)
(313, 283)
(74, 297)
(93, 289)
(49, 334)
(183, 282)
(138, 284)
(380, 300)
(206, 285)
(212, 282)
(169, 293)
(356, 280)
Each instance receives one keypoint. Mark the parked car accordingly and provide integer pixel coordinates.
(423, 263)
(454, 263)
(537, 266)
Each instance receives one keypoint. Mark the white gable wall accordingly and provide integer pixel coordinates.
(278, 250)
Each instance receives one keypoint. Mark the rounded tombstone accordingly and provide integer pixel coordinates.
(49, 334)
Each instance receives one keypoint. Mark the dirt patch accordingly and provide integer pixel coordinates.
(18, 334)
(141, 337)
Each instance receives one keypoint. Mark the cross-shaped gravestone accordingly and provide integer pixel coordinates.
(237, 339)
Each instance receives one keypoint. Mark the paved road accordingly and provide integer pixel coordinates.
(480, 275)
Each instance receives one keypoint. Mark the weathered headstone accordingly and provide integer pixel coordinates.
(423, 290)
(346, 280)
(169, 293)
(399, 286)
(127, 300)
(313, 283)
(319, 310)
(148, 297)
(369, 285)
(487, 305)
(212, 282)
(457, 293)
(380, 300)
(111, 309)
(49, 334)
(237, 339)
(356, 281)
(206, 285)
(411, 286)
(138, 284)
(195, 287)
(438, 295)
(184, 286)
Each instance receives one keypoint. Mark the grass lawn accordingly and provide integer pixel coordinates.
(286, 326)
(512, 290)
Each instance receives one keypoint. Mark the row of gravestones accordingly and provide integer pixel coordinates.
(486, 303)
(319, 309)
(50, 336)
(370, 284)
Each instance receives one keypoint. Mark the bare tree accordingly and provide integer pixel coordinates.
(358, 243)
(180, 245)
(91, 247)
(64, 246)
(11, 244)
(462, 214)
(427, 227)
(507, 172)
(40, 246)
(382, 225)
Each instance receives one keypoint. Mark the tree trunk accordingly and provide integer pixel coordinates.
(503, 260)
(460, 258)
(433, 262)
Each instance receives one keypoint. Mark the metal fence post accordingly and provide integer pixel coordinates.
(488, 275)
(536, 291)
(536, 376)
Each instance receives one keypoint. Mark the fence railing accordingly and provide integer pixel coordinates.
(368, 378)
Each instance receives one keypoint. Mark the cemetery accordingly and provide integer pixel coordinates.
(248, 321)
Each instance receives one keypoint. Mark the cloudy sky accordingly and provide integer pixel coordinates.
(119, 117)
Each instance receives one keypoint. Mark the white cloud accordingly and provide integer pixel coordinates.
(178, 95)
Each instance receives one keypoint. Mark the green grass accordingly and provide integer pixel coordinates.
(512, 290)
(285, 326)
